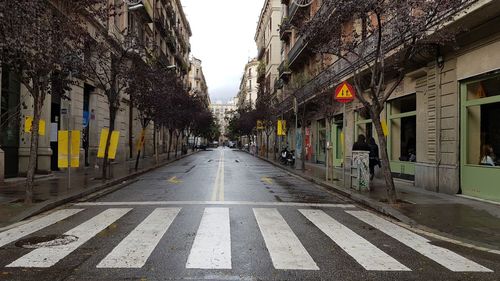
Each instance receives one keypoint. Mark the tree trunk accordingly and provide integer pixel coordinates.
(170, 135)
(131, 130)
(267, 146)
(139, 149)
(112, 117)
(384, 157)
(30, 176)
(303, 152)
(176, 144)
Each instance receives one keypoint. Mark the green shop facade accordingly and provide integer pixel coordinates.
(442, 122)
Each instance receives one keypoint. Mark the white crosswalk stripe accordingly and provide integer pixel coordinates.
(49, 256)
(136, 248)
(19, 232)
(212, 245)
(365, 253)
(211, 248)
(284, 247)
(445, 257)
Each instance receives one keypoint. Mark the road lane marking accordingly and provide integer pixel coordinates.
(174, 180)
(444, 257)
(245, 203)
(18, 232)
(365, 253)
(49, 256)
(218, 189)
(285, 249)
(212, 245)
(267, 180)
(135, 249)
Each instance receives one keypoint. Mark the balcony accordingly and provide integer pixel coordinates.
(297, 49)
(144, 9)
(285, 29)
(284, 71)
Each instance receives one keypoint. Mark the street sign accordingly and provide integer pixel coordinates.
(345, 93)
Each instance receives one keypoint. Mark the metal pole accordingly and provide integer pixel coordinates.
(69, 133)
(344, 129)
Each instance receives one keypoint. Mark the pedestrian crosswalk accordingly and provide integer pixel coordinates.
(212, 244)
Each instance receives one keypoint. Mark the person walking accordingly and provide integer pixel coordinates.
(361, 144)
(374, 156)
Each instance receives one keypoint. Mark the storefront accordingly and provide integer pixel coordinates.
(402, 136)
(480, 136)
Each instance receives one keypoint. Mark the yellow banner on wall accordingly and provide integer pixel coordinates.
(113, 145)
(62, 149)
(281, 127)
(28, 122)
(102, 142)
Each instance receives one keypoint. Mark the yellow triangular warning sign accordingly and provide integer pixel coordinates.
(344, 93)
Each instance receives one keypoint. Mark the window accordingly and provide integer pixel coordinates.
(483, 130)
(403, 128)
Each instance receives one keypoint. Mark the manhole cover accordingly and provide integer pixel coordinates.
(46, 241)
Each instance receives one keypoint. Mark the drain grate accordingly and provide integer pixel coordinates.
(51, 240)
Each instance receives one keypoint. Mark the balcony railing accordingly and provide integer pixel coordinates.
(285, 29)
(297, 49)
(341, 68)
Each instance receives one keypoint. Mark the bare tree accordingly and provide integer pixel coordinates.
(108, 62)
(41, 41)
(378, 41)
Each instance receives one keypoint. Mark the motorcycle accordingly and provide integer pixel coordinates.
(287, 157)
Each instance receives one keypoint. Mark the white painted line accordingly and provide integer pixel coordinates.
(212, 245)
(218, 189)
(247, 203)
(444, 257)
(284, 247)
(135, 249)
(365, 253)
(19, 232)
(49, 256)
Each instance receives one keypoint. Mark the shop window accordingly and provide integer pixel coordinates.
(403, 128)
(483, 134)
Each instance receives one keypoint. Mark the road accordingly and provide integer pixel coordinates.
(226, 215)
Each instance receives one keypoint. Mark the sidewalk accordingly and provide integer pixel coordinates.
(453, 216)
(52, 191)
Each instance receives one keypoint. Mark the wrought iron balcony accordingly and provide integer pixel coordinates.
(297, 49)
(284, 71)
(285, 29)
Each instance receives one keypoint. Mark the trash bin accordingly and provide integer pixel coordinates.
(360, 171)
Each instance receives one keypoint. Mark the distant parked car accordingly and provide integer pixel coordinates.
(214, 144)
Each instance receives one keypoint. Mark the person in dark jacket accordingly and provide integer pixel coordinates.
(361, 144)
(374, 156)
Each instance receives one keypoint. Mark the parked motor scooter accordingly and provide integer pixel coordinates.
(287, 157)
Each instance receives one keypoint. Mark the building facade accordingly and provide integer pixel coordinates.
(223, 112)
(197, 83)
(440, 120)
(162, 22)
(247, 94)
(269, 45)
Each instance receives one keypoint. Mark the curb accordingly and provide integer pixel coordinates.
(367, 202)
(390, 212)
(106, 187)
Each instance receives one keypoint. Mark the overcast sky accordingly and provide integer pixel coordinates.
(223, 38)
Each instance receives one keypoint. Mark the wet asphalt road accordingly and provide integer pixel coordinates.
(225, 215)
